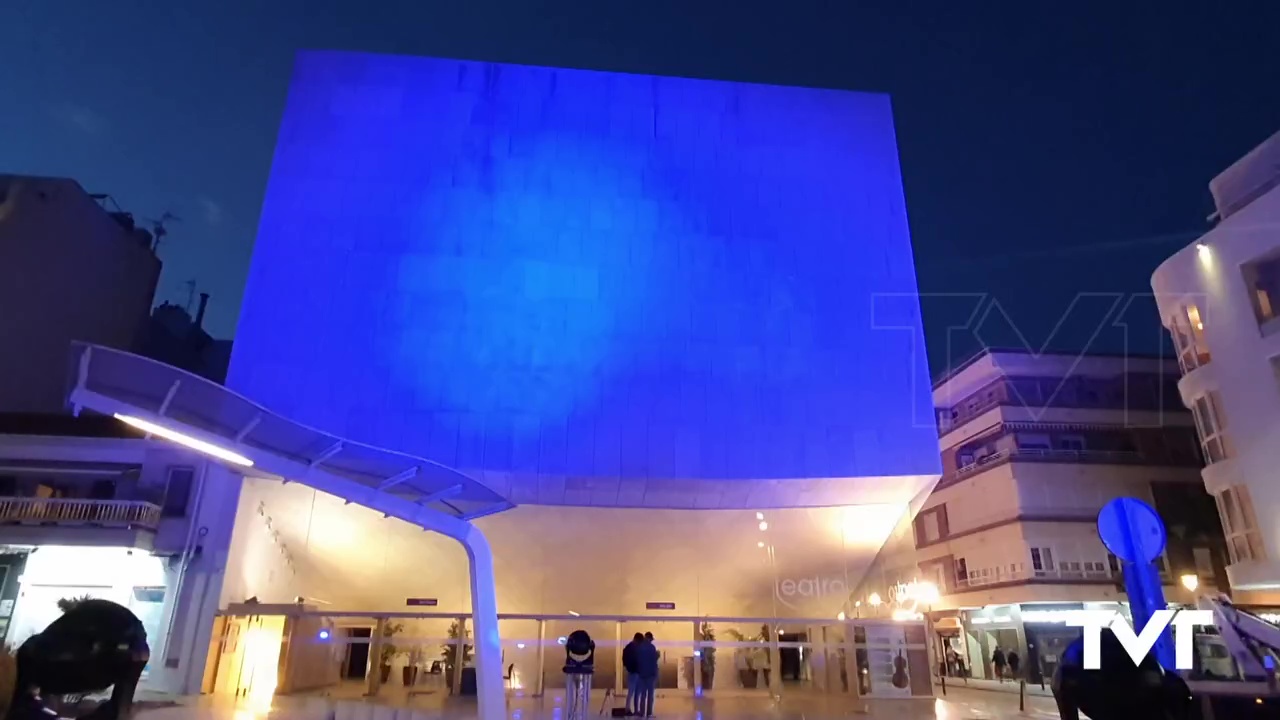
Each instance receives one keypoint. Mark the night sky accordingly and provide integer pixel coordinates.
(1048, 149)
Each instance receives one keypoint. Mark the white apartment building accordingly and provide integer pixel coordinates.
(89, 508)
(1220, 299)
(1032, 448)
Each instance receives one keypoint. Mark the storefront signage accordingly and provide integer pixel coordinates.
(910, 596)
(998, 620)
(421, 602)
(1047, 616)
(659, 606)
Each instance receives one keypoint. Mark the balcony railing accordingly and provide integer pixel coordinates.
(1112, 457)
(62, 511)
(996, 575)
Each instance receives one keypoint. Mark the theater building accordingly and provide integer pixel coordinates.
(657, 339)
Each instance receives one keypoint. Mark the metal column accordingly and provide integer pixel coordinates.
(373, 678)
(542, 658)
(617, 658)
(697, 658)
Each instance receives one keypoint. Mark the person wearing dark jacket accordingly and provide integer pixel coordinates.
(1120, 689)
(647, 658)
(633, 677)
(998, 662)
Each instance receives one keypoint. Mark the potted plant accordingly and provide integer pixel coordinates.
(389, 651)
(451, 656)
(708, 656)
(742, 660)
(410, 671)
(763, 660)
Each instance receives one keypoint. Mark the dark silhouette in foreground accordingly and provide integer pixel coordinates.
(1120, 690)
(95, 645)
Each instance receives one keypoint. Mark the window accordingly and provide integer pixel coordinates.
(1074, 443)
(1113, 564)
(1041, 560)
(929, 528)
(1210, 424)
(1262, 278)
(931, 525)
(1236, 510)
(177, 492)
(962, 572)
(1033, 441)
(1204, 561)
(1188, 338)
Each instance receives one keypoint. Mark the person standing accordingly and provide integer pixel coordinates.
(998, 662)
(1014, 662)
(647, 658)
(633, 677)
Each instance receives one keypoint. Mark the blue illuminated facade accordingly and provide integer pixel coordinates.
(550, 274)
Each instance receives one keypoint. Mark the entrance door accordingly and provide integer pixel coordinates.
(357, 653)
(789, 660)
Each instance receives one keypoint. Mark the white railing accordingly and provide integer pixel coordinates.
(963, 524)
(62, 511)
(992, 576)
(1119, 457)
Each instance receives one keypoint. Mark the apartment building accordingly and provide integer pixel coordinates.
(70, 269)
(90, 508)
(1032, 448)
(1220, 300)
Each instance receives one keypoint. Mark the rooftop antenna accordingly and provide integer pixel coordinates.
(190, 285)
(158, 230)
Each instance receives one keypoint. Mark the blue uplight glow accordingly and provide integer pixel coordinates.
(554, 273)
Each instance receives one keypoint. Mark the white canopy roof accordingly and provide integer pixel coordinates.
(106, 379)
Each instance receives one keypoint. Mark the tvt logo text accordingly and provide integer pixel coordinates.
(1093, 621)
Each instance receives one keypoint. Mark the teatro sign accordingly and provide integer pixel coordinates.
(811, 588)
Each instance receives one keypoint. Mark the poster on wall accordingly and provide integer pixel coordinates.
(887, 661)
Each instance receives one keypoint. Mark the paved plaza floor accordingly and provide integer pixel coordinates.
(959, 704)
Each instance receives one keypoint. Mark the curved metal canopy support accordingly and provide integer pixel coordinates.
(114, 382)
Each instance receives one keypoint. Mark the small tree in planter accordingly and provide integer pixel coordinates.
(742, 659)
(708, 658)
(410, 673)
(450, 653)
(389, 651)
